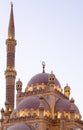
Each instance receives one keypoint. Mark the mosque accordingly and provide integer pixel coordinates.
(44, 105)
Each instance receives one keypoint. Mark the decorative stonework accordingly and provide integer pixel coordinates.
(67, 115)
(32, 112)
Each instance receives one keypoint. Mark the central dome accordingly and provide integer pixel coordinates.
(41, 78)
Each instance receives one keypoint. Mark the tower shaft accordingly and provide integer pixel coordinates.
(10, 73)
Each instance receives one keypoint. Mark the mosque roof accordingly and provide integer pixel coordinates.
(41, 78)
(29, 103)
(64, 105)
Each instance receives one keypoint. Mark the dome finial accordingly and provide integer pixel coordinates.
(43, 64)
(51, 71)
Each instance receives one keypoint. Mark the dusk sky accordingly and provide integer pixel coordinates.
(45, 30)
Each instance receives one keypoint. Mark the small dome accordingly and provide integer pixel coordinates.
(41, 78)
(19, 82)
(20, 126)
(30, 103)
(64, 105)
(67, 87)
(18, 85)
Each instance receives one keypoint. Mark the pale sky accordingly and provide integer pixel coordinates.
(45, 30)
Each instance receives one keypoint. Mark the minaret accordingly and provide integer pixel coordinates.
(10, 73)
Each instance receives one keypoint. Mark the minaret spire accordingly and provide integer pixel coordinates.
(11, 28)
(10, 73)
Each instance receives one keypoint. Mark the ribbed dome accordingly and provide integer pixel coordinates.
(30, 103)
(41, 78)
(64, 105)
(20, 126)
